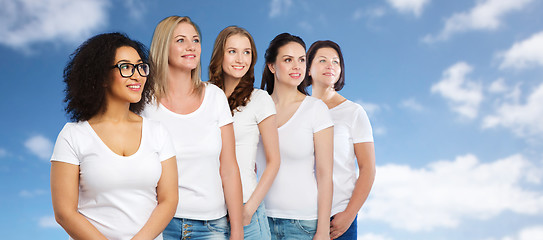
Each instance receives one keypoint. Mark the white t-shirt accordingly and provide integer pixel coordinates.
(294, 194)
(351, 125)
(117, 194)
(198, 143)
(246, 121)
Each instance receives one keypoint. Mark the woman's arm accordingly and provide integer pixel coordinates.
(365, 155)
(65, 195)
(324, 162)
(231, 181)
(270, 140)
(167, 197)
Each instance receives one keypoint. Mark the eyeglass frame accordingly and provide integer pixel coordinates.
(134, 67)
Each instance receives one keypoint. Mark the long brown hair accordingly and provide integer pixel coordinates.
(242, 93)
(159, 53)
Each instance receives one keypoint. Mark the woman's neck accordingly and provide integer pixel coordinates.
(284, 95)
(179, 83)
(327, 94)
(115, 112)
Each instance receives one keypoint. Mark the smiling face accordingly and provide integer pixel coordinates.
(185, 47)
(289, 66)
(237, 56)
(325, 68)
(125, 89)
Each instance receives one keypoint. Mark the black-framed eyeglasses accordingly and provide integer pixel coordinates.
(127, 69)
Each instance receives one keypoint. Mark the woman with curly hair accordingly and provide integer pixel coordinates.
(198, 118)
(232, 69)
(353, 139)
(113, 173)
(298, 203)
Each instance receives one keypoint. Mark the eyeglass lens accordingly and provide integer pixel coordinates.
(127, 69)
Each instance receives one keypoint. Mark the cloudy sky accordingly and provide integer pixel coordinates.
(454, 90)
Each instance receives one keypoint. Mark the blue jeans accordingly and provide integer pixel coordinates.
(258, 229)
(351, 232)
(284, 229)
(183, 228)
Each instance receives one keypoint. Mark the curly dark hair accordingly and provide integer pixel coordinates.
(242, 93)
(312, 51)
(271, 56)
(87, 74)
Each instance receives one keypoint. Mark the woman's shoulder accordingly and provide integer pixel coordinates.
(259, 94)
(315, 101)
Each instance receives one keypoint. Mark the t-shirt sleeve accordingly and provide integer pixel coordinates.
(321, 117)
(361, 127)
(265, 105)
(65, 149)
(223, 109)
(167, 150)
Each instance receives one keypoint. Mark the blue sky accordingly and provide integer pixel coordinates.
(454, 91)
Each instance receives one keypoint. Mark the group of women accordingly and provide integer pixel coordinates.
(154, 152)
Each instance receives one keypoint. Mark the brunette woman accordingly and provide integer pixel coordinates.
(353, 139)
(232, 69)
(299, 201)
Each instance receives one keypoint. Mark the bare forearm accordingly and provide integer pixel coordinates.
(266, 181)
(365, 155)
(325, 188)
(361, 191)
(233, 197)
(161, 216)
(77, 226)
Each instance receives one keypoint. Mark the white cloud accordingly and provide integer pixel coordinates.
(524, 54)
(136, 8)
(372, 236)
(48, 222)
(443, 193)
(414, 7)
(305, 26)
(464, 96)
(370, 108)
(32, 193)
(528, 233)
(486, 15)
(40, 146)
(376, 12)
(498, 86)
(524, 119)
(279, 7)
(26, 22)
(3, 152)
(412, 104)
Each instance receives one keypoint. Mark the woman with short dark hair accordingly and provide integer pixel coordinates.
(352, 138)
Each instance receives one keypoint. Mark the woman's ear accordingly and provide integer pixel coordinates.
(271, 67)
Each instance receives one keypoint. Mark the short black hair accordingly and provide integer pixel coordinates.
(311, 55)
(87, 74)
(271, 56)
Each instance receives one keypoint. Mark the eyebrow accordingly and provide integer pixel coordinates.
(292, 56)
(181, 35)
(128, 61)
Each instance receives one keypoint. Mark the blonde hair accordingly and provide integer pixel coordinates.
(159, 53)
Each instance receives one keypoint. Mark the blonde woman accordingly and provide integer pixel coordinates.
(353, 139)
(232, 69)
(299, 201)
(198, 118)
